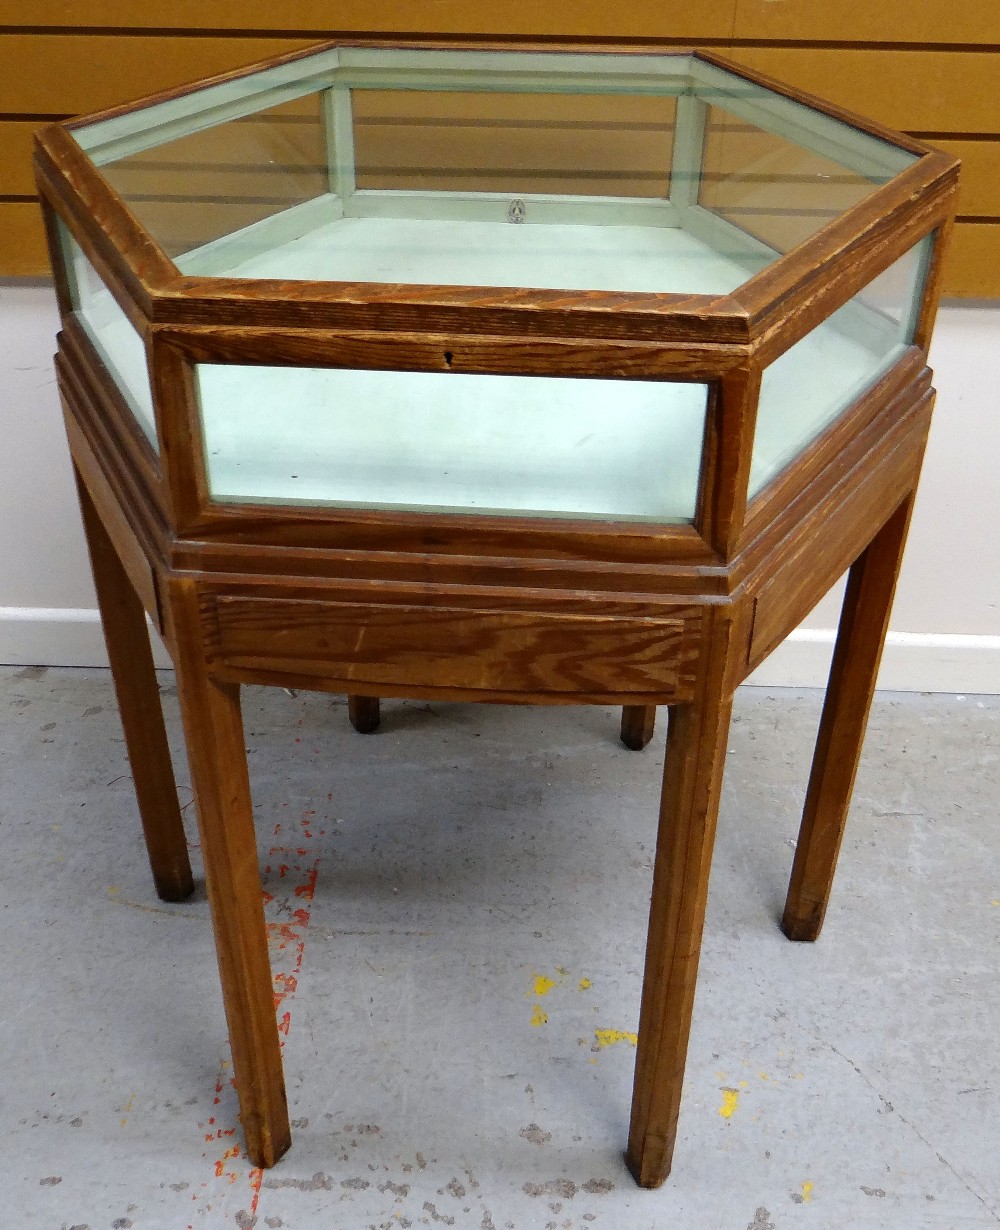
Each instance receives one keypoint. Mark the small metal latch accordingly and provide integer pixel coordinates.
(515, 210)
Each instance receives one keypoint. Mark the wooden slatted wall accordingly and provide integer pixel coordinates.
(925, 67)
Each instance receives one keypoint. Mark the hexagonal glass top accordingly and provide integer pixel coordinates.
(566, 171)
(510, 171)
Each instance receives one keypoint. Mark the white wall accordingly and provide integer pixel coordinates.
(946, 624)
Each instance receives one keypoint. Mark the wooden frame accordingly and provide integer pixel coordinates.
(500, 608)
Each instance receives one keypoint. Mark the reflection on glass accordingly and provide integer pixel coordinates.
(570, 171)
(194, 189)
(777, 190)
(559, 447)
(516, 144)
(113, 335)
(815, 380)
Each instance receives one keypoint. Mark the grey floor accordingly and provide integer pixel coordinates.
(457, 909)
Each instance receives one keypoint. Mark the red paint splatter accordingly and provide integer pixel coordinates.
(290, 876)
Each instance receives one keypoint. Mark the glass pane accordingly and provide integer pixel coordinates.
(777, 190)
(646, 173)
(112, 333)
(814, 381)
(515, 144)
(560, 447)
(212, 183)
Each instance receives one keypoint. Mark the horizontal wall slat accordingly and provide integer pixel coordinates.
(582, 18)
(22, 241)
(76, 73)
(895, 21)
(979, 187)
(72, 73)
(939, 91)
(15, 157)
(973, 270)
(979, 193)
(931, 91)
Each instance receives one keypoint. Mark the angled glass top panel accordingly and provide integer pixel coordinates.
(219, 181)
(567, 171)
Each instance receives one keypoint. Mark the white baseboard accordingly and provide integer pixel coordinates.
(912, 662)
(58, 636)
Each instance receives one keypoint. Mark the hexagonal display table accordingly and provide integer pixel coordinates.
(498, 374)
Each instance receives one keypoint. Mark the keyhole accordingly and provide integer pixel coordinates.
(448, 356)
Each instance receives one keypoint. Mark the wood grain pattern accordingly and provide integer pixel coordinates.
(827, 542)
(453, 606)
(386, 349)
(213, 730)
(138, 693)
(697, 734)
(863, 624)
(638, 722)
(364, 713)
(128, 549)
(506, 651)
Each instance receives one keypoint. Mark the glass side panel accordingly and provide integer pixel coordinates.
(777, 190)
(220, 180)
(546, 446)
(815, 380)
(516, 144)
(114, 337)
(646, 173)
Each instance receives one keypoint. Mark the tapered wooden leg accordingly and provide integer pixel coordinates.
(127, 639)
(863, 623)
(696, 747)
(213, 729)
(638, 722)
(364, 713)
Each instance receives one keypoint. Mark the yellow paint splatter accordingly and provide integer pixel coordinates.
(763, 1076)
(807, 1189)
(995, 901)
(585, 984)
(114, 889)
(539, 1016)
(744, 1084)
(127, 1109)
(730, 1101)
(608, 1037)
(543, 985)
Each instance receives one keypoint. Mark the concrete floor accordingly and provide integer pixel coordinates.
(457, 910)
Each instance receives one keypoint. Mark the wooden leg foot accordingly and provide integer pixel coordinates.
(213, 729)
(364, 713)
(138, 692)
(863, 624)
(696, 746)
(638, 722)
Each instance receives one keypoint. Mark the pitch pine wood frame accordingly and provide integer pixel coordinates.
(458, 607)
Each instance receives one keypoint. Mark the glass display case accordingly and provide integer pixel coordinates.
(491, 373)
